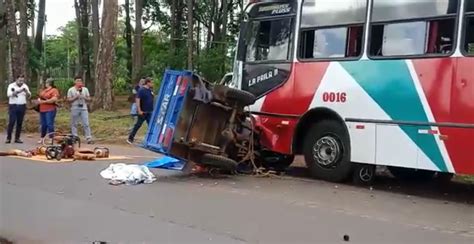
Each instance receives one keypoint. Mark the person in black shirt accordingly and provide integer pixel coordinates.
(144, 103)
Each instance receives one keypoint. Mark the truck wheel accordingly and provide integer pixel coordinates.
(243, 98)
(364, 174)
(409, 174)
(327, 151)
(218, 161)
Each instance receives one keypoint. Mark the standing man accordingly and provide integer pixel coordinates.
(18, 94)
(144, 103)
(132, 99)
(79, 96)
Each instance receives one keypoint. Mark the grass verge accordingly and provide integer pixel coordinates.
(104, 130)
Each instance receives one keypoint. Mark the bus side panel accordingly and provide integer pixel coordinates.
(448, 84)
(293, 98)
(386, 90)
(277, 132)
(329, 85)
(460, 142)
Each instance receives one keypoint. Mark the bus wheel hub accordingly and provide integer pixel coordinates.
(326, 151)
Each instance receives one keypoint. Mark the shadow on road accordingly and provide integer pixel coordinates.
(451, 191)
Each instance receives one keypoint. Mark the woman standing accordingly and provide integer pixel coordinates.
(47, 107)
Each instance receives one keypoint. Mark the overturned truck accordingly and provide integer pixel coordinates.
(205, 124)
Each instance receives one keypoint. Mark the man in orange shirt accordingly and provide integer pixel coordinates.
(47, 107)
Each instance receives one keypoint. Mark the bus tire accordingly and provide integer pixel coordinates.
(326, 151)
(408, 174)
(241, 97)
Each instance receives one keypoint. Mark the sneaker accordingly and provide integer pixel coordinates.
(130, 141)
(8, 141)
(41, 141)
(18, 141)
(89, 141)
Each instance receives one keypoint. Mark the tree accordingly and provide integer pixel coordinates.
(38, 43)
(128, 38)
(105, 59)
(13, 38)
(82, 18)
(137, 44)
(23, 47)
(95, 31)
(3, 52)
(190, 6)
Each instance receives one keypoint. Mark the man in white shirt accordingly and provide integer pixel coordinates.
(79, 96)
(18, 94)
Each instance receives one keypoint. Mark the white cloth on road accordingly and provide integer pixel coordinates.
(128, 173)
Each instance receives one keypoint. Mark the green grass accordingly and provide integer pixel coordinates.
(469, 179)
(109, 131)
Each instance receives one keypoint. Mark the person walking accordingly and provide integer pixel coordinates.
(132, 99)
(144, 103)
(79, 96)
(47, 108)
(18, 94)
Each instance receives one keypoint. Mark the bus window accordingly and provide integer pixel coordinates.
(332, 29)
(469, 28)
(269, 40)
(413, 38)
(395, 10)
(469, 42)
(441, 36)
(339, 42)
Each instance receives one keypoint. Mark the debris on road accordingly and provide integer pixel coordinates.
(346, 237)
(166, 162)
(128, 174)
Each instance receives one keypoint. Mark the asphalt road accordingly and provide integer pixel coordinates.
(70, 203)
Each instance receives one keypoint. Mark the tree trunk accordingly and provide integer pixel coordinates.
(173, 8)
(190, 5)
(23, 48)
(38, 43)
(95, 36)
(105, 60)
(128, 39)
(209, 25)
(198, 43)
(33, 15)
(83, 30)
(13, 38)
(3, 55)
(23, 39)
(137, 45)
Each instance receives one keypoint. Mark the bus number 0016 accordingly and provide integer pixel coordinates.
(338, 97)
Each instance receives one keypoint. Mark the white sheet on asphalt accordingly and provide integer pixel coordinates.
(129, 174)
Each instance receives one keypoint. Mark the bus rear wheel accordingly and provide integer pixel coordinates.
(327, 151)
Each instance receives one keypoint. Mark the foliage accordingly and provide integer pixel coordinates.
(213, 55)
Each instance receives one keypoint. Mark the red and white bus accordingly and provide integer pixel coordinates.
(351, 84)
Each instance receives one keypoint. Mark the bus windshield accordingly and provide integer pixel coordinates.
(266, 45)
